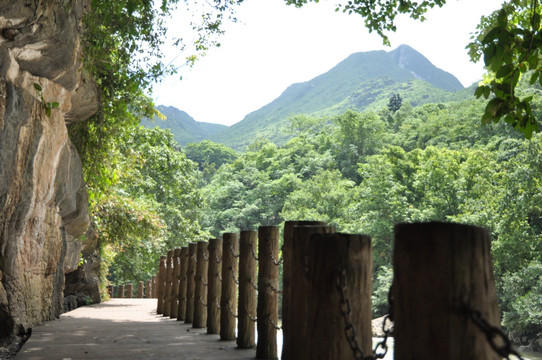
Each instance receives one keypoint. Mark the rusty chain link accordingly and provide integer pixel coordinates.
(251, 318)
(218, 260)
(217, 304)
(230, 310)
(253, 284)
(349, 329)
(273, 259)
(233, 276)
(201, 301)
(491, 333)
(273, 289)
(254, 256)
(205, 256)
(233, 251)
(275, 326)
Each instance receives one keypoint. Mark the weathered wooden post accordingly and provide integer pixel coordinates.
(296, 248)
(169, 282)
(129, 290)
(339, 285)
(140, 290)
(111, 289)
(190, 283)
(121, 291)
(148, 289)
(228, 296)
(443, 279)
(214, 286)
(154, 286)
(160, 291)
(181, 313)
(287, 256)
(175, 284)
(246, 327)
(268, 290)
(200, 291)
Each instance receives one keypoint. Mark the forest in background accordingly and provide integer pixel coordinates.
(361, 172)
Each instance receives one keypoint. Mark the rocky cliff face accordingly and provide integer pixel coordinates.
(43, 201)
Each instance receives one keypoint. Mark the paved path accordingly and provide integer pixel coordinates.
(125, 329)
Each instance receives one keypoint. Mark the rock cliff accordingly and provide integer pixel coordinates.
(43, 200)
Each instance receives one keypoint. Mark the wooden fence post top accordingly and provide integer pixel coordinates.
(163, 257)
(177, 252)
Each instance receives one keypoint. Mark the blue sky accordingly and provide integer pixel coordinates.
(274, 46)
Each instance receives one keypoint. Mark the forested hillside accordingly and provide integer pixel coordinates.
(365, 172)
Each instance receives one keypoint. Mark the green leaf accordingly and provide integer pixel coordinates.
(54, 105)
(37, 87)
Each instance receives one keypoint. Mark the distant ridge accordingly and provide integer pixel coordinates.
(363, 80)
(184, 128)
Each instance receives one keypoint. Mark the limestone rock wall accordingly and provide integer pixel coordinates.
(43, 201)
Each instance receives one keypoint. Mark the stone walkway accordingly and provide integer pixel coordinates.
(125, 329)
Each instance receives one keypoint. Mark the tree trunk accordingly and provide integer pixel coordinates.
(268, 285)
(181, 312)
(247, 292)
(190, 283)
(442, 274)
(174, 306)
(129, 290)
(214, 287)
(161, 289)
(338, 275)
(200, 302)
(228, 298)
(169, 282)
(296, 248)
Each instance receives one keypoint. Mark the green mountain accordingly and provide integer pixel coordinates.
(362, 81)
(184, 128)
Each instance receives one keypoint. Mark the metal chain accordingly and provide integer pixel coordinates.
(217, 304)
(252, 284)
(251, 318)
(230, 310)
(273, 259)
(233, 276)
(254, 256)
(205, 256)
(219, 278)
(201, 301)
(273, 289)
(218, 260)
(233, 251)
(346, 311)
(491, 333)
(275, 326)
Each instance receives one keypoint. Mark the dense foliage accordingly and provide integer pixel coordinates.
(366, 172)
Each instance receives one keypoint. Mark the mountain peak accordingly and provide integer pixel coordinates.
(418, 65)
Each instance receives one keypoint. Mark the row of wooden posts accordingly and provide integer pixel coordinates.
(144, 290)
(443, 299)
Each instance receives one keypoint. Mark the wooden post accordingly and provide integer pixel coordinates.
(296, 248)
(174, 307)
(111, 289)
(169, 283)
(268, 287)
(442, 272)
(287, 255)
(190, 283)
(200, 291)
(246, 327)
(140, 291)
(181, 313)
(148, 289)
(121, 291)
(129, 290)
(228, 296)
(160, 288)
(154, 286)
(339, 276)
(214, 286)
